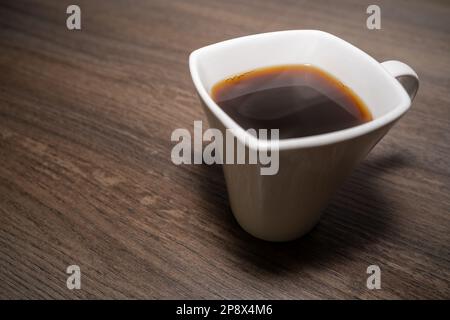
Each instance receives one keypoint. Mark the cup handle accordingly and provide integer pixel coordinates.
(407, 77)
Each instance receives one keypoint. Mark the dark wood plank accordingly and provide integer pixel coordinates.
(86, 176)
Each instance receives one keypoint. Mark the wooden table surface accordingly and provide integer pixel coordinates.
(86, 177)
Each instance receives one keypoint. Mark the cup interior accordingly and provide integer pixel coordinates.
(354, 68)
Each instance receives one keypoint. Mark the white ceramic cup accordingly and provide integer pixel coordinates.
(287, 205)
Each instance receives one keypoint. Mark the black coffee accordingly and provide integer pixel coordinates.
(299, 100)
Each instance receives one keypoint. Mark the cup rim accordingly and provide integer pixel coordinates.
(302, 142)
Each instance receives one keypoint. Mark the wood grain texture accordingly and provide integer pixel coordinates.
(86, 176)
